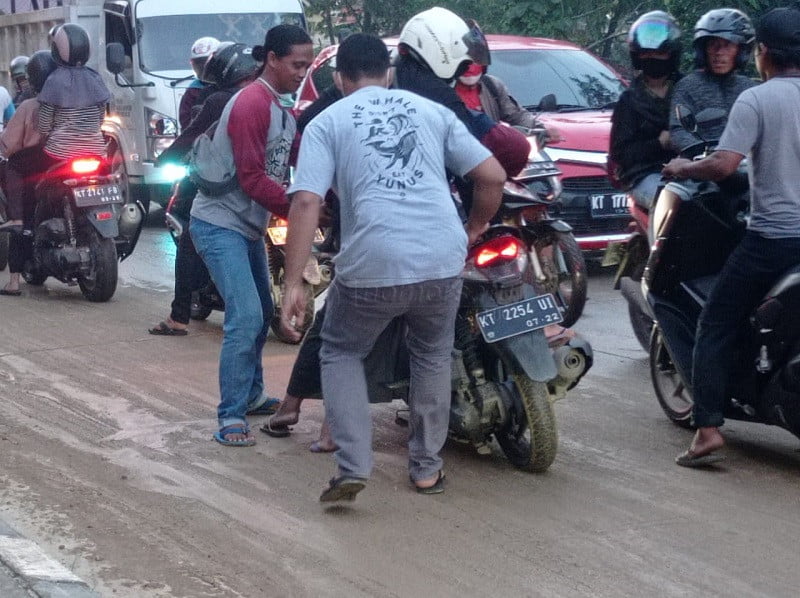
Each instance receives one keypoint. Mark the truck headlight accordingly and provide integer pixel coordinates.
(161, 132)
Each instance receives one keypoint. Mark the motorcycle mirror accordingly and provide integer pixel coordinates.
(686, 118)
(710, 117)
(548, 103)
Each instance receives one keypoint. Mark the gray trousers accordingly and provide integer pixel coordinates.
(355, 318)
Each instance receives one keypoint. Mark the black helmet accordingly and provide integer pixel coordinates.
(70, 45)
(657, 31)
(779, 29)
(39, 68)
(17, 66)
(728, 23)
(229, 64)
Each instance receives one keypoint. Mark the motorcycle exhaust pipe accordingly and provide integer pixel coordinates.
(632, 292)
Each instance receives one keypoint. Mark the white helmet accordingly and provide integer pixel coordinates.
(444, 41)
(202, 49)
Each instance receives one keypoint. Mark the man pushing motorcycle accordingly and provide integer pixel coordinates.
(764, 125)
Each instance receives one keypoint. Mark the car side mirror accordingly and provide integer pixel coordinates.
(115, 58)
(548, 103)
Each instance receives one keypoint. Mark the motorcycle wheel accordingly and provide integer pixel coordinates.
(565, 267)
(4, 239)
(102, 283)
(671, 392)
(641, 323)
(199, 311)
(308, 320)
(530, 440)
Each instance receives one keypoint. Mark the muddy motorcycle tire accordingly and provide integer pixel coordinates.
(102, 284)
(4, 240)
(673, 396)
(308, 320)
(530, 441)
(565, 268)
(641, 323)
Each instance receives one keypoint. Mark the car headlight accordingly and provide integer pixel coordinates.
(161, 132)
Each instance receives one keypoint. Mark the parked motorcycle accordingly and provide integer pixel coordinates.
(697, 225)
(505, 377)
(317, 274)
(557, 263)
(81, 226)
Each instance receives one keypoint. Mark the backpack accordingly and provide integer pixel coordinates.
(213, 172)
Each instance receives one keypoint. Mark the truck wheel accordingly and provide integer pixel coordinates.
(101, 284)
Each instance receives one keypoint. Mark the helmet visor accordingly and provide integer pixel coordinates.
(477, 46)
(652, 34)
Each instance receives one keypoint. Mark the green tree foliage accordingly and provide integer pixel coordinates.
(598, 25)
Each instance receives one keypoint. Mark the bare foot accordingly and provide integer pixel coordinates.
(288, 412)
(176, 325)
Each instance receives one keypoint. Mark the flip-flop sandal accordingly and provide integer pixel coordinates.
(10, 292)
(220, 435)
(276, 431)
(316, 447)
(437, 488)
(267, 406)
(164, 329)
(342, 488)
(688, 459)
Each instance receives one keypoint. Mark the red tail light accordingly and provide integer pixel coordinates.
(86, 165)
(105, 215)
(276, 221)
(496, 251)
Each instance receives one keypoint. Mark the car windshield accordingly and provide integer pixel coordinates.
(164, 41)
(576, 78)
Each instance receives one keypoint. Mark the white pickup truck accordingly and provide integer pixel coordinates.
(156, 36)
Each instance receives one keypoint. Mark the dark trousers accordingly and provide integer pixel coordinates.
(752, 268)
(306, 379)
(191, 274)
(22, 173)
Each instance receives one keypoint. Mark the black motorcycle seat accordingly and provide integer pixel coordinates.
(700, 288)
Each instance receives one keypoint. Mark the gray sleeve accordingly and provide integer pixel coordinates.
(510, 111)
(315, 163)
(680, 138)
(462, 152)
(742, 130)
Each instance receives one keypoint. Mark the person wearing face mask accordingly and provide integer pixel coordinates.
(723, 42)
(486, 93)
(640, 139)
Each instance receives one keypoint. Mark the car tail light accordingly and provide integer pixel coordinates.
(497, 251)
(86, 165)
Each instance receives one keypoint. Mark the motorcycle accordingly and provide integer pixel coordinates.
(505, 377)
(706, 219)
(557, 263)
(317, 274)
(82, 225)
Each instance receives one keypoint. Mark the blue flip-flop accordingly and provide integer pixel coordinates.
(220, 435)
(264, 405)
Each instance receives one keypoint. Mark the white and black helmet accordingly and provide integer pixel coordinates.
(69, 45)
(201, 51)
(726, 23)
(444, 42)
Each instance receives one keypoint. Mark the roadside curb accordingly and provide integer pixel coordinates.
(42, 575)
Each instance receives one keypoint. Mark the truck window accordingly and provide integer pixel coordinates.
(117, 32)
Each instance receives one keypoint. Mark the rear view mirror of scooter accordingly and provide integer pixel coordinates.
(708, 119)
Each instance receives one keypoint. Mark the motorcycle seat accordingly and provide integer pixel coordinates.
(700, 288)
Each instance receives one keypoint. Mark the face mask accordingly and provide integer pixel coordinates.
(286, 100)
(655, 68)
(470, 81)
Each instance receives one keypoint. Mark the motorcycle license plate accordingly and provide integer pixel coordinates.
(277, 234)
(608, 205)
(97, 195)
(517, 318)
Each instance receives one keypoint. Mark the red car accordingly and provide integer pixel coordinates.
(585, 90)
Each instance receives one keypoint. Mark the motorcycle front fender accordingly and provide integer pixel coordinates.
(108, 228)
(530, 353)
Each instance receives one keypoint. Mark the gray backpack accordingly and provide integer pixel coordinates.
(212, 171)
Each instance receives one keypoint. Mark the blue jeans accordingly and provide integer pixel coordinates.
(239, 268)
(751, 270)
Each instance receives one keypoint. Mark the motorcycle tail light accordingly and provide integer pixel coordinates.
(104, 215)
(278, 222)
(496, 251)
(86, 165)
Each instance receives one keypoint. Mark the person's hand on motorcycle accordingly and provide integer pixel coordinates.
(553, 135)
(474, 233)
(675, 168)
(293, 309)
(664, 140)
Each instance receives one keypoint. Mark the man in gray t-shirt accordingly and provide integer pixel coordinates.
(764, 125)
(403, 247)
